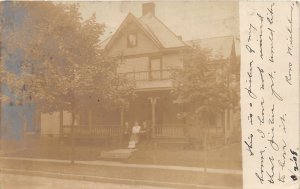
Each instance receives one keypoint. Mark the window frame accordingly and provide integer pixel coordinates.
(160, 67)
(136, 39)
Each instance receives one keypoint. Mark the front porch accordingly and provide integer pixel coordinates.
(156, 109)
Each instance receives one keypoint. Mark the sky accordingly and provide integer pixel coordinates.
(190, 19)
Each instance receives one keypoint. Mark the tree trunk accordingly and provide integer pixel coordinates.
(72, 139)
(60, 125)
(205, 148)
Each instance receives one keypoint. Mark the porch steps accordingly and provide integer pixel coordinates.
(117, 154)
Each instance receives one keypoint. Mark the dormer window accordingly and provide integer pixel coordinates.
(131, 40)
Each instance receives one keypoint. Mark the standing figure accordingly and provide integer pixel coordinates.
(145, 131)
(126, 133)
(134, 135)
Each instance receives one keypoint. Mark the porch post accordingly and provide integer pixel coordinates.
(227, 125)
(122, 123)
(90, 118)
(61, 123)
(153, 103)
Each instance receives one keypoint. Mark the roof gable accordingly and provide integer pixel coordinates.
(160, 31)
(106, 44)
(153, 28)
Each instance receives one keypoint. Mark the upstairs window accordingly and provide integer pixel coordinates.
(155, 69)
(131, 40)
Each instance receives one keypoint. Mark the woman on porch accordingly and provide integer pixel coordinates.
(135, 135)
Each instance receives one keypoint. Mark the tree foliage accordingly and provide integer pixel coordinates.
(61, 65)
(204, 86)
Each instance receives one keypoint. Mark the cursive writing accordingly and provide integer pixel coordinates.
(271, 38)
(282, 162)
(261, 118)
(274, 92)
(261, 71)
(273, 144)
(271, 175)
(249, 89)
(282, 120)
(290, 32)
(261, 18)
(249, 145)
(270, 14)
(271, 120)
(260, 176)
(288, 78)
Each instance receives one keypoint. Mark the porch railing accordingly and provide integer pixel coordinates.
(93, 132)
(170, 131)
(183, 131)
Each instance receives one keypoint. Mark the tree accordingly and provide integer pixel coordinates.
(203, 86)
(62, 63)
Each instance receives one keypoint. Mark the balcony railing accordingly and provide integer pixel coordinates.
(150, 75)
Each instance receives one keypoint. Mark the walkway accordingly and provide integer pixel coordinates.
(15, 181)
(120, 164)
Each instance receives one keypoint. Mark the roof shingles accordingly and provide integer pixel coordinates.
(159, 31)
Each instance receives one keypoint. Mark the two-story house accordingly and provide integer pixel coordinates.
(148, 51)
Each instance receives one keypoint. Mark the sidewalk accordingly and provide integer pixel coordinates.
(120, 164)
(129, 183)
(122, 173)
(167, 167)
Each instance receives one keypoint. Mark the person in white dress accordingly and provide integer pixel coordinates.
(134, 135)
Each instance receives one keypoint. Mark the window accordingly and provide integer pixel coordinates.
(155, 68)
(131, 40)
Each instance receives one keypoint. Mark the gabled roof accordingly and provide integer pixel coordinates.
(160, 34)
(160, 31)
(219, 47)
(104, 43)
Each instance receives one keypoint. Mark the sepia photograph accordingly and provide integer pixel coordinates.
(120, 94)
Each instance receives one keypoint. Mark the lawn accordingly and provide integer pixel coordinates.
(227, 157)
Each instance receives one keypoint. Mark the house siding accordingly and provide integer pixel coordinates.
(172, 61)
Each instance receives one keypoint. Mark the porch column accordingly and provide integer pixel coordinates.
(122, 123)
(90, 124)
(153, 103)
(227, 125)
(61, 119)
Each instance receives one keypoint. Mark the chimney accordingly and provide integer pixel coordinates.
(148, 8)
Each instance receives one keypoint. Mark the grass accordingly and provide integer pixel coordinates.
(226, 157)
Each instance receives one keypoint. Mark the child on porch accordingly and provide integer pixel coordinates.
(135, 135)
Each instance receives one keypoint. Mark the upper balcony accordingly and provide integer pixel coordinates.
(153, 79)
